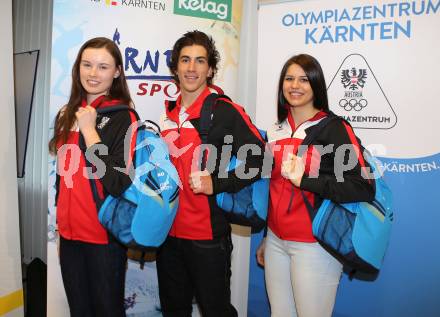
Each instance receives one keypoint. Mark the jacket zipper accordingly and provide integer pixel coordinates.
(179, 162)
(69, 213)
(286, 180)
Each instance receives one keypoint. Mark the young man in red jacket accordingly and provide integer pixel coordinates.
(195, 260)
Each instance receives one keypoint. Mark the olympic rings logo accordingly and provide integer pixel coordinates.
(351, 104)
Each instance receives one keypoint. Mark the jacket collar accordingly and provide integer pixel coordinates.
(193, 110)
(321, 114)
(101, 102)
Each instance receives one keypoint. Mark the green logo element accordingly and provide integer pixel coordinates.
(207, 9)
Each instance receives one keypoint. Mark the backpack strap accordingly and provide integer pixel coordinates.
(206, 117)
(205, 122)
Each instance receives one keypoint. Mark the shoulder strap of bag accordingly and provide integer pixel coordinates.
(357, 148)
(324, 122)
(312, 135)
(308, 140)
(205, 122)
(206, 115)
(98, 200)
(117, 108)
(153, 126)
(353, 140)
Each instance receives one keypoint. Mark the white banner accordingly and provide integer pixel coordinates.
(380, 60)
(145, 32)
(394, 42)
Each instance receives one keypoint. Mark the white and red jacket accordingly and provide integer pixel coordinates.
(288, 217)
(77, 217)
(198, 216)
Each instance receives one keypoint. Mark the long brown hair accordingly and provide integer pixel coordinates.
(314, 73)
(119, 90)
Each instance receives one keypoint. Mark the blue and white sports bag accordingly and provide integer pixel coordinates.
(356, 233)
(247, 207)
(142, 216)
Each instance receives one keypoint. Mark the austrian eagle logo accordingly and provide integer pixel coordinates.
(353, 78)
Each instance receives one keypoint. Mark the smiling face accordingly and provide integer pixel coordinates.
(193, 70)
(296, 87)
(96, 71)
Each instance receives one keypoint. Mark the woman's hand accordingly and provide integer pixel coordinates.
(293, 169)
(260, 252)
(86, 118)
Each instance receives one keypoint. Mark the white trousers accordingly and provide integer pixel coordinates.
(301, 278)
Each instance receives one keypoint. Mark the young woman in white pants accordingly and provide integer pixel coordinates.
(301, 277)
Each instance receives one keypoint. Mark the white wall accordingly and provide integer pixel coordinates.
(247, 82)
(33, 31)
(11, 298)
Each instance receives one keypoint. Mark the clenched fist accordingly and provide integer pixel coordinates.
(293, 169)
(201, 182)
(86, 119)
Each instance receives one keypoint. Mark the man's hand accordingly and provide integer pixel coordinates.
(201, 182)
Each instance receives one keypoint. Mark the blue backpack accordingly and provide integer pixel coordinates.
(142, 216)
(247, 207)
(356, 233)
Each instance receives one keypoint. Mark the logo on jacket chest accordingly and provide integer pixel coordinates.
(103, 122)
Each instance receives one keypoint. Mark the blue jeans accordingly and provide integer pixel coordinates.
(200, 268)
(93, 277)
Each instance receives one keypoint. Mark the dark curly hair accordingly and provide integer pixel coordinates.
(195, 38)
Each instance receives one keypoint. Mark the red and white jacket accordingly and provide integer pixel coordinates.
(288, 217)
(77, 217)
(198, 216)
